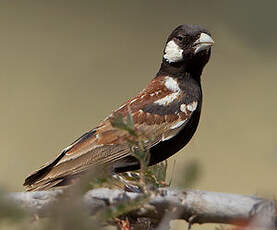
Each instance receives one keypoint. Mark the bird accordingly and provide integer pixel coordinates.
(168, 109)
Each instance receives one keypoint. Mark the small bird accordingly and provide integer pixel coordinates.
(167, 109)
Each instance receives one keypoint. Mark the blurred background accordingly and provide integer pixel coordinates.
(65, 65)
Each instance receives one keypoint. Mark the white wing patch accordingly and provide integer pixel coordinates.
(164, 138)
(183, 108)
(167, 99)
(173, 53)
(192, 106)
(171, 84)
(178, 124)
(131, 102)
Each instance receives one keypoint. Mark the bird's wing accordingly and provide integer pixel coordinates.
(157, 111)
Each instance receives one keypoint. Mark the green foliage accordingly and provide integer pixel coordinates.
(136, 140)
(123, 208)
(153, 176)
(156, 175)
(124, 124)
(98, 177)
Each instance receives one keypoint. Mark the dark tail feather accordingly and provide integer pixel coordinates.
(40, 173)
(35, 180)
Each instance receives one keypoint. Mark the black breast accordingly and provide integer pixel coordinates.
(165, 149)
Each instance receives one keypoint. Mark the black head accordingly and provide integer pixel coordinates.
(188, 46)
(187, 41)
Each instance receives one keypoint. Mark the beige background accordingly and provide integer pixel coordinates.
(66, 64)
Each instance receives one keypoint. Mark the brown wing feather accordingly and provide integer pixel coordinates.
(106, 144)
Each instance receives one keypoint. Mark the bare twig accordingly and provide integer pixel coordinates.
(193, 206)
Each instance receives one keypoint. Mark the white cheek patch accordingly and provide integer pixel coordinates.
(173, 53)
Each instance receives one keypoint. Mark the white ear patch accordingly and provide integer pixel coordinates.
(173, 53)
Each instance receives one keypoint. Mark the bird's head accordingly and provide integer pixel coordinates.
(188, 44)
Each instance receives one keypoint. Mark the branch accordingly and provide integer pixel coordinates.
(193, 206)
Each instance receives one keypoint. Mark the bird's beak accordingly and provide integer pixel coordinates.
(203, 42)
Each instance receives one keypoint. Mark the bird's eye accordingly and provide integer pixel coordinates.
(180, 38)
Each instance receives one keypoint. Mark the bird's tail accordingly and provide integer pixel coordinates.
(36, 180)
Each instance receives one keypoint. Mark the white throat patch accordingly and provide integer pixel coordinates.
(173, 53)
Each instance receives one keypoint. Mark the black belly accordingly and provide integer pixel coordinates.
(164, 149)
